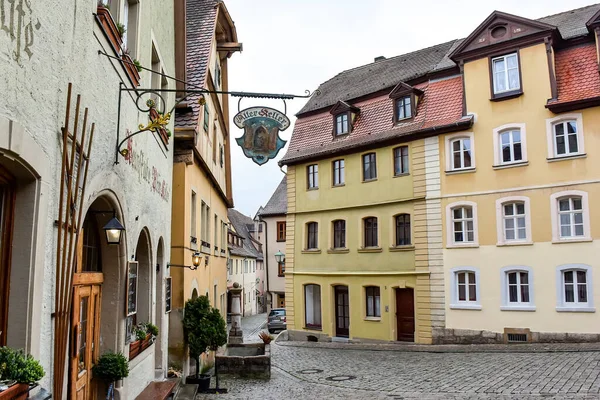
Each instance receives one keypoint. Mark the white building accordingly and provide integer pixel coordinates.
(43, 49)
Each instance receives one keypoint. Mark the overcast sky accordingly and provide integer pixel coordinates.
(294, 45)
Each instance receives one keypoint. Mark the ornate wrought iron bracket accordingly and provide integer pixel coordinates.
(154, 103)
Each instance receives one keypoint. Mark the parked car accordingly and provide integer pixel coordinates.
(277, 320)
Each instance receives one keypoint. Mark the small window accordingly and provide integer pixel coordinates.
(461, 153)
(403, 230)
(341, 124)
(373, 301)
(312, 172)
(339, 234)
(280, 269)
(574, 288)
(193, 215)
(465, 288)
(312, 306)
(218, 75)
(206, 117)
(517, 286)
(403, 108)
(570, 213)
(514, 221)
(370, 232)
(401, 160)
(338, 173)
(281, 231)
(168, 295)
(312, 242)
(132, 278)
(369, 167)
(565, 138)
(510, 146)
(463, 225)
(506, 73)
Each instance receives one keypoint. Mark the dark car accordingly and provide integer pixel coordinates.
(277, 320)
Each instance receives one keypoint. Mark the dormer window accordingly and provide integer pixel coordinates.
(341, 124)
(403, 108)
(506, 79)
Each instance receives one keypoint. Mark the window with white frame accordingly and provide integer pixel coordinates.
(511, 146)
(570, 216)
(513, 219)
(574, 288)
(505, 71)
(312, 306)
(463, 224)
(338, 173)
(460, 152)
(517, 289)
(465, 288)
(565, 136)
(341, 124)
(373, 301)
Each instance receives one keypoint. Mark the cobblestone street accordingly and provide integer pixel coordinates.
(309, 372)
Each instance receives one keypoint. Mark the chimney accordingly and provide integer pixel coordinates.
(380, 58)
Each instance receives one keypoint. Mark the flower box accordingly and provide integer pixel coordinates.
(131, 69)
(109, 27)
(135, 348)
(18, 391)
(146, 342)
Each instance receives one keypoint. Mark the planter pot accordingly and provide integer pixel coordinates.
(17, 391)
(203, 382)
(131, 69)
(110, 28)
(146, 342)
(135, 348)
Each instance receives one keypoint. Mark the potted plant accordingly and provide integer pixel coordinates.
(204, 329)
(130, 67)
(17, 372)
(121, 29)
(108, 25)
(110, 368)
(135, 347)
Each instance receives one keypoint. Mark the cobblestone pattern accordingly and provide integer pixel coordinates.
(252, 326)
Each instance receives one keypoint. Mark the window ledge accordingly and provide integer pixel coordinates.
(460, 171)
(311, 251)
(340, 135)
(585, 239)
(280, 240)
(564, 158)
(369, 180)
(401, 175)
(462, 246)
(338, 185)
(511, 165)
(313, 328)
(508, 244)
(338, 251)
(370, 250)
(517, 308)
(576, 309)
(475, 307)
(314, 188)
(402, 248)
(506, 95)
(374, 319)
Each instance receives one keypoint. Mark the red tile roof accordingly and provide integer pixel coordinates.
(440, 105)
(577, 76)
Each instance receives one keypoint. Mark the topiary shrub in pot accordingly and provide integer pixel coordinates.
(17, 371)
(111, 367)
(204, 329)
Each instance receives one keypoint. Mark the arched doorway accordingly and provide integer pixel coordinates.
(194, 294)
(139, 309)
(95, 324)
(159, 309)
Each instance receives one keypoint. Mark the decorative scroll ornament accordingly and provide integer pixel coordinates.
(261, 141)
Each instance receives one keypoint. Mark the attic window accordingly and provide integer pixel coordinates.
(403, 108)
(341, 124)
(405, 99)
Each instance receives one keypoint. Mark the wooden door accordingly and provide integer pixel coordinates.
(85, 335)
(342, 311)
(405, 315)
(281, 299)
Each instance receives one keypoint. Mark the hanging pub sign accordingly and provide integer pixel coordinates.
(261, 141)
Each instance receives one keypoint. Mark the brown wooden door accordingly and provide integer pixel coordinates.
(405, 315)
(342, 311)
(85, 335)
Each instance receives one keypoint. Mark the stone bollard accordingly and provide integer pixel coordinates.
(235, 333)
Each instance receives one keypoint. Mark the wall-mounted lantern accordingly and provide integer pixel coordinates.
(114, 230)
(196, 259)
(279, 257)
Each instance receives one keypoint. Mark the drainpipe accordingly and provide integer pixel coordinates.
(266, 259)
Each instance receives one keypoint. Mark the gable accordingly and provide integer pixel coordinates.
(342, 106)
(403, 89)
(501, 29)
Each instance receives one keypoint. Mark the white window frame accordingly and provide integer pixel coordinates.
(500, 221)
(339, 123)
(520, 306)
(505, 56)
(451, 138)
(498, 147)
(550, 122)
(556, 222)
(450, 243)
(561, 305)
(455, 304)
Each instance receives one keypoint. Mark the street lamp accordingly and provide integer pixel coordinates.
(114, 230)
(196, 258)
(279, 257)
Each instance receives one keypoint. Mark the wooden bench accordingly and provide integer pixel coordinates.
(159, 390)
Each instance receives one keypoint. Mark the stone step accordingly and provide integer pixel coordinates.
(186, 392)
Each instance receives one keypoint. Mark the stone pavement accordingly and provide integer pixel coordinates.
(303, 372)
(252, 326)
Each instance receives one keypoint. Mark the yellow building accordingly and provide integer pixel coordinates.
(443, 196)
(201, 171)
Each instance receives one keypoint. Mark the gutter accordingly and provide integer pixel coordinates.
(573, 105)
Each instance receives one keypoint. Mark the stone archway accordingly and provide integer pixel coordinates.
(143, 256)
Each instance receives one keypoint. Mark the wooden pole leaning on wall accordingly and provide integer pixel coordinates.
(69, 223)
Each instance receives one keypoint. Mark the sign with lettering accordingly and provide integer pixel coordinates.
(19, 24)
(261, 125)
(150, 174)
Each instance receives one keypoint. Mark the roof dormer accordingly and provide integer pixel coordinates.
(406, 98)
(344, 115)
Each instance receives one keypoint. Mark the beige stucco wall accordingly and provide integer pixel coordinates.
(276, 283)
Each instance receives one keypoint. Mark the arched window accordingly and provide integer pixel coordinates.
(574, 288)
(461, 224)
(312, 236)
(403, 237)
(339, 234)
(465, 288)
(570, 216)
(370, 232)
(517, 289)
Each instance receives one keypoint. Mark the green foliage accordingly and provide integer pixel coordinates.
(138, 65)
(15, 365)
(152, 329)
(121, 29)
(203, 326)
(205, 368)
(140, 332)
(111, 367)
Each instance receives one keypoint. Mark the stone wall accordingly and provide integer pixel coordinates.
(467, 336)
(257, 367)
